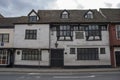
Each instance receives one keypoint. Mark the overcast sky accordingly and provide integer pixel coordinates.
(23, 7)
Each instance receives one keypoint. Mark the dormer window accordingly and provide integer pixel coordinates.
(33, 16)
(89, 15)
(65, 15)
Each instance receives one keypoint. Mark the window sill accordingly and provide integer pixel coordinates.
(93, 40)
(64, 40)
(31, 60)
(30, 39)
(88, 60)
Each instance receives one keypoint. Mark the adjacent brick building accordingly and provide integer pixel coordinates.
(112, 16)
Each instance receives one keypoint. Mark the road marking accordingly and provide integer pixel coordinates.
(22, 77)
(37, 77)
(33, 73)
(74, 77)
(105, 73)
(51, 73)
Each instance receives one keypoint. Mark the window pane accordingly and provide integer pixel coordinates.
(31, 34)
(76, 28)
(30, 55)
(118, 34)
(65, 14)
(61, 27)
(33, 18)
(87, 54)
(118, 31)
(5, 38)
(93, 33)
(118, 27)
(103, 28)
(68, 33)
(102, 50)
(67, 27)
(64, 32)
(0, 37)
(72, 50)
(89, 15)
(81, 28)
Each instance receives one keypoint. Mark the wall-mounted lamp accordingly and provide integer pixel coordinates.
(56, 44)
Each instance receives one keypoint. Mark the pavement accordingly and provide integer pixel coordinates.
(53, 70)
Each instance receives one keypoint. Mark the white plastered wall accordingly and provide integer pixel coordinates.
(71, 59)
(42, 40)
(43, 62)
(11, 38)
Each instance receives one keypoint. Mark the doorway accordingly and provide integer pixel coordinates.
(57, 58)
(117, 55)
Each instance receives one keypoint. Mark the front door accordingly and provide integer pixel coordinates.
(117, 53)
(57, 58)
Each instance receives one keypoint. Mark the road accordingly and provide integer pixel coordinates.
(61, 76)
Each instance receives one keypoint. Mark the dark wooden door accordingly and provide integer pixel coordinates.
(57, 58)
(117, 53)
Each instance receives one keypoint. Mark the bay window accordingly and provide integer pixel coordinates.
(64, 32)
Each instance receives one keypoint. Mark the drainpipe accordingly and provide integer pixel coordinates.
(49, 44)
(39, 50)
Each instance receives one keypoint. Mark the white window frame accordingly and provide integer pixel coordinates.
(117, 32)
(89, 15)
(65, 15)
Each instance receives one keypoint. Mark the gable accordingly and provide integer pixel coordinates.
(33, 16)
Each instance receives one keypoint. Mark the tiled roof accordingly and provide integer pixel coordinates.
(76, 16)
(1, 16)
(112, 14)
(8, 22)
(53, 16)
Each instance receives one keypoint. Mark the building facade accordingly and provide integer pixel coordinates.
(6, 41)
(114, 27)
(32, 43)
(60, 38)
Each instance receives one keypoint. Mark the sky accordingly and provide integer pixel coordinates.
(13, 8)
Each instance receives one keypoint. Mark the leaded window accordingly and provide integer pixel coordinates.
(93, 33)
(31, 34)
(32, 18)
(118, 31)
(4, 37)
(103, 27)
(31, 55)
(89, 15)
(65, 15)
(3, 56)
(64, 32)
(72, 50)
(102, 50)
(87, 54)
